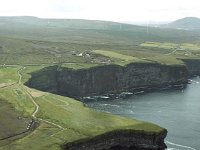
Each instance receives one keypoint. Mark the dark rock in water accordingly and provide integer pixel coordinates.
(121, 140)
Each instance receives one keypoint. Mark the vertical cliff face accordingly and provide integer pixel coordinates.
(138, 75)
(89, 81)
(107, 79)
(193, 66)
(44, 79)
(114, 78)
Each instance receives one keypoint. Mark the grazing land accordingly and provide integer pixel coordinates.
(12, 121)
(62, 119)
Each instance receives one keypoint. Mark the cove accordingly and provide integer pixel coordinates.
(176, 110)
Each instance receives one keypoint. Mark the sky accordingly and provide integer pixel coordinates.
(112, 10)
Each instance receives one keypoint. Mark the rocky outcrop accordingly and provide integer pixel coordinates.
(107, 78)
(121, 140)
(44, 79)
(193, 66)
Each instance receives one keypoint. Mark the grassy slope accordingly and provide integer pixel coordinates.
(12, 121)
(8, 74)
(77, 120)
(18, 98)
(14, 109)
(177, 51)
(19, 51)
(112, 54)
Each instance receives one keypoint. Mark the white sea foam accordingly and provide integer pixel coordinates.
(179, 145)
(132, 112)
(193, 81)
(111, 105)
(105, 104)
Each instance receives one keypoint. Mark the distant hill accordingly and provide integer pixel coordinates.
(188, 23)
(25, 21)
(87, 31)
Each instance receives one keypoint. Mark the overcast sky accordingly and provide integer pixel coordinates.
(113, 10)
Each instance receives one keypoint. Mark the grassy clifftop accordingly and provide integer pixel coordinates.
(62, 119)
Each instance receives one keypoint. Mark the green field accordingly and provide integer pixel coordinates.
(8, 74)
(18, 51)
(112, 54)
(13, 123)
(160, 45)
(181, 46)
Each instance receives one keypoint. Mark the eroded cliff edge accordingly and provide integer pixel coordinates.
(107, 78)
(193, 66)
(121, 140)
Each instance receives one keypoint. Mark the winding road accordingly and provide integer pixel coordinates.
(32, 100)
(37, 107)
(29, 95)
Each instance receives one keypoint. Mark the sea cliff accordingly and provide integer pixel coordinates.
(107, 78)
(193, 66)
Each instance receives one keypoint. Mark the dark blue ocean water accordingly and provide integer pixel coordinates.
(176, 110)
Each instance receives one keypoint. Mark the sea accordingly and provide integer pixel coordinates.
(177, 110)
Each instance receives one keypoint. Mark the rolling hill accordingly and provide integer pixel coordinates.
(188, 23)
(84, 30)
(65, 23)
